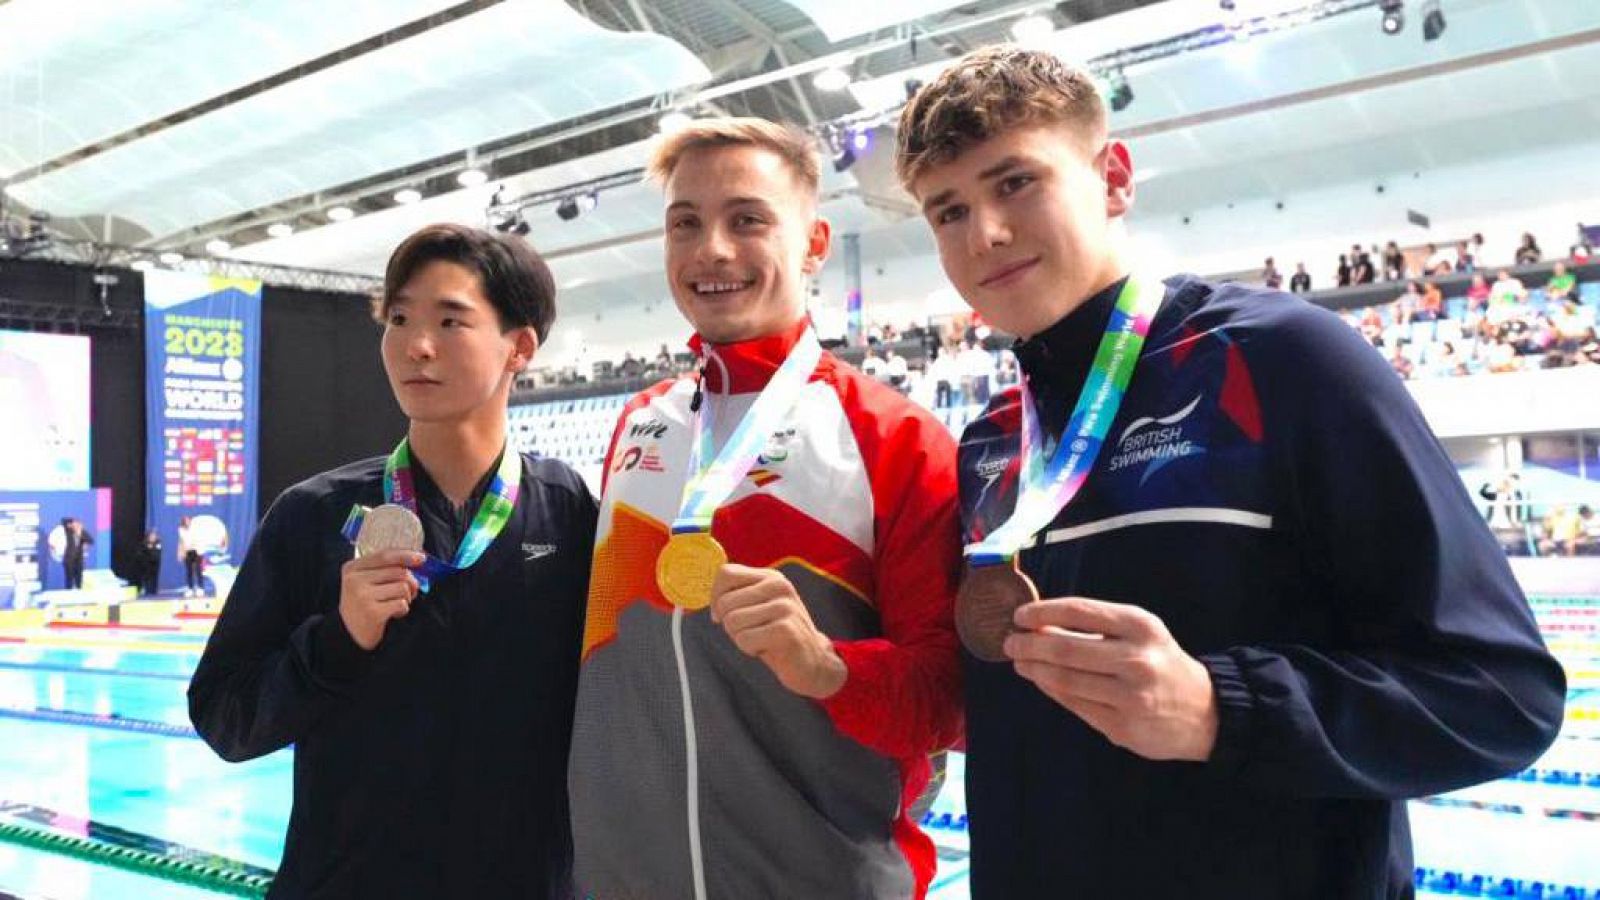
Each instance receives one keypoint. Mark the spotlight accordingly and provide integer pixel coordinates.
(141, 265)
(341, 214)
(576, 205)
(1121, 92)
(1394, 15)
(1433, 23)
(472, 177)
(171, 258)
(1032, 30)
(280, 229)
(218, 246)
(832, 79)
(674, 121)
(407, 196)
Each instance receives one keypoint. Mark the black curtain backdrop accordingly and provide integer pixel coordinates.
(324, 398)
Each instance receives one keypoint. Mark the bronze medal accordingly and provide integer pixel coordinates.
(389, 527)
(988, 597)
(686, 568)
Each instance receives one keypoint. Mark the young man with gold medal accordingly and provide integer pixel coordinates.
(769, 657)
(427, 681)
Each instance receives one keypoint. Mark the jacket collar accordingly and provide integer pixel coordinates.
(743, 367)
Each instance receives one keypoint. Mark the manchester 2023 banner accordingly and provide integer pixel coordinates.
(202, 394)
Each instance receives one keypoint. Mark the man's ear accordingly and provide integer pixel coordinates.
(524, 344)
(818, 244)
(1118, 170)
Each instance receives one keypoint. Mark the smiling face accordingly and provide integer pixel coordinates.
(1026, 222)
(447, 357)
(742, 235)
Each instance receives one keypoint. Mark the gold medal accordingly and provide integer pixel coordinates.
(988, 598)
(687, 566)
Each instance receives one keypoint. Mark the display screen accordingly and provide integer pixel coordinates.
(44, 412)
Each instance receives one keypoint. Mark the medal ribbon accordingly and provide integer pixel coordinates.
(493, 511)
(713, 476)
(1047, 489)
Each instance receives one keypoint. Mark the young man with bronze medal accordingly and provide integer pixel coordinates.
(1270, 613)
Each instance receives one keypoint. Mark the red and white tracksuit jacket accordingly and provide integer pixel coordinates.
(854, 500)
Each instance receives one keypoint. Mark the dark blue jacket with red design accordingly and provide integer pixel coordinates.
(1270, 490)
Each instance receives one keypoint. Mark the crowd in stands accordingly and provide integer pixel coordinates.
(1498, 326)
(1361, 266)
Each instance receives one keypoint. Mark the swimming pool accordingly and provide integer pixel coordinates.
(96, 753)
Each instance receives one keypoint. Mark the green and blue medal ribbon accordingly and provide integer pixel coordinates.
(1046, 489)
(494, 511)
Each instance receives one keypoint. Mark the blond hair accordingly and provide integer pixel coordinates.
(987, 92)
(796, 148)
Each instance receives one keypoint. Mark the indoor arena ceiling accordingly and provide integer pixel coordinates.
(170, 124)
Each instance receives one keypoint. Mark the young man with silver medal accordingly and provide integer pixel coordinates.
(427, 681)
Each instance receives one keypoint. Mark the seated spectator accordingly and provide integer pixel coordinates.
(1371, 326)
(1394, 262)
(1571, 326)
(1528, 251)
(1589, 350)
(1343, 278)
(1401, 363)
(1270, 276)
(872, 364)
(1561, 284)
(1588, 531)
(1559, 532)
(1300, 281)
(1507, 289)
(1477, 293)
(1438, 262)
(896, 370)
(1405, 305)
(1430, 308)
(1446, 361)
(1503, 357)
(1464, 260)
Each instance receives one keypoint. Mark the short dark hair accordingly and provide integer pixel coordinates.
(514, 276)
